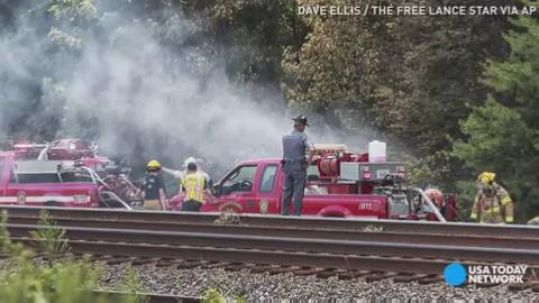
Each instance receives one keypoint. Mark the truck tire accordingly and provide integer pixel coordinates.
(230, 207)
(334, 215)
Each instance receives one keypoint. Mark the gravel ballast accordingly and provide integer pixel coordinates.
(266, 287)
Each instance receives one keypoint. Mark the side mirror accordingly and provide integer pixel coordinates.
(217, 190)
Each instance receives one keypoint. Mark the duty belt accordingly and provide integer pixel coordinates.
(295, 160)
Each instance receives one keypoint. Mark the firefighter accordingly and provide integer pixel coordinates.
(154, 189)
(492, 204)
(199, 163)
(437, 198)
(195, 186)
(295, 146)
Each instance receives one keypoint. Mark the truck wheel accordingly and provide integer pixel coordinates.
(230, 207)
(229, 210)
(334, 215)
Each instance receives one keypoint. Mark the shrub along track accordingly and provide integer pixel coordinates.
(156, 298)
(346, 248)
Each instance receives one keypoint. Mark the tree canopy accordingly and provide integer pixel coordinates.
(454, 95)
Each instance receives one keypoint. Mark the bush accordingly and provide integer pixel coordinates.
(58, 281)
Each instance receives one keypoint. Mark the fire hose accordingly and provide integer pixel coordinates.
(430, 204)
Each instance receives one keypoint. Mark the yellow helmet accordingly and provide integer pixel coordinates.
(486, 177)
(153, 164)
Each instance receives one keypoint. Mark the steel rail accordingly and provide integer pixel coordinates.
(348, 247)
(280, 231)
(256, 256)
(451, 228)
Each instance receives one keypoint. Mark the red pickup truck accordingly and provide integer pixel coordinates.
(52, 183)
(36, 182)
(339, 186)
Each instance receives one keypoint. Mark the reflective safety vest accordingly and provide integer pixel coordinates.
(193, 185)
(497, 208)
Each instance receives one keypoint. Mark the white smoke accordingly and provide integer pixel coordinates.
(175, 101)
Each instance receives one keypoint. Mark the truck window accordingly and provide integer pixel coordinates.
(38, 178)
(79, 176)
(268, 179)
(240, 180)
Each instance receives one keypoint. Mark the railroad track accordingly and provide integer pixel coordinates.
(325, 247)
(165, 221)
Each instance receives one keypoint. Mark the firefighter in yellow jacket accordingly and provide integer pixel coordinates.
(492, 203)
(195, 186)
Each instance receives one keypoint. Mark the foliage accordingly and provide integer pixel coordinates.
(7, 247)
(50, 239)
(409, 77)
(61, 281)
(503, 134)
(410, 80)
(213, 295)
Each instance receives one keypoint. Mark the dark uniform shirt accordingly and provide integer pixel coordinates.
(153, 183)
(294, 146)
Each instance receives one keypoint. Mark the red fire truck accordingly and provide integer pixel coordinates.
(66, 172)
(340, 184)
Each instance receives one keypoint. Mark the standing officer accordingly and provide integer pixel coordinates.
(295, 146)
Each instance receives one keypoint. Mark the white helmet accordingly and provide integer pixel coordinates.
(189, 160)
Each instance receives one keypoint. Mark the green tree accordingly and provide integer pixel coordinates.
(408, 77)
(503, 134)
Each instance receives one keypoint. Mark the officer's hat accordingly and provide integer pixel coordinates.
(301, 119)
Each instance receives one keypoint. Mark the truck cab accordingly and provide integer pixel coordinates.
(339, 184)
(256, 187)
(52, 183)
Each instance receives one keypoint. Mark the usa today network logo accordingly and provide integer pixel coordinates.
(456, 274)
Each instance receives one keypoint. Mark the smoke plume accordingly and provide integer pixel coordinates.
(121, 83)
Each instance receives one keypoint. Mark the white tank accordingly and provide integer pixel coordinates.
(377, 151)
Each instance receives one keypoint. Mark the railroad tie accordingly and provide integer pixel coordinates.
(281, 269)
(165, 262)
(352, 274)
(237, 266)
(214, 264)
(521, 286)
(261, 268)
(308, 271)
(119, 260)
(328, 272)
(143, 261)
(407, 278)
(380, 276)
(188, 264)
(430, 279)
